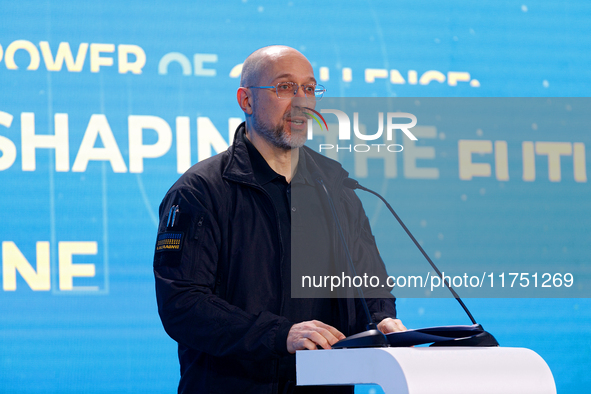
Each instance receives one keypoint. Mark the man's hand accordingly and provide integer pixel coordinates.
(309, 334)
(389, 325)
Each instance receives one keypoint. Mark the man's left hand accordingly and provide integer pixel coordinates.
(389, 325)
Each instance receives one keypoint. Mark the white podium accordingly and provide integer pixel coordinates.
(424, 370)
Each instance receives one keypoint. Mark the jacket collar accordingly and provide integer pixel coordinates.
(263, 173)
(239, 168)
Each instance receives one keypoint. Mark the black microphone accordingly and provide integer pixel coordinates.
(372, 337)
(483, 338)
(351, 183)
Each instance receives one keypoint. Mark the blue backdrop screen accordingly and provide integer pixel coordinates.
(104, 104)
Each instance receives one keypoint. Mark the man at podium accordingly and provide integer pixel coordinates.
(224, 252)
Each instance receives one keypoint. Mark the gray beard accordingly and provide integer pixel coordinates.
(277, 136)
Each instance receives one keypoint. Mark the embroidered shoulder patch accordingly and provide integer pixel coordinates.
(169, 241)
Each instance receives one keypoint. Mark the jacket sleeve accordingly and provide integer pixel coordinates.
(185, 267)
(380, 301)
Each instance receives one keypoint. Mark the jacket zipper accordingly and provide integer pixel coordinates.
(281, 255)
(282, 251)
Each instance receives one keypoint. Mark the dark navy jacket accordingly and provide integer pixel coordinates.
(217, 271)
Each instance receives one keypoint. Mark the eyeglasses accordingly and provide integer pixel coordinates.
(287, 90)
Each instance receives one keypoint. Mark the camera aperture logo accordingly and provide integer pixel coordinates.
(316, 119)
(344, 133)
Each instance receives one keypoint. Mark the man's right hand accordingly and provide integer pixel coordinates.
(309, 334)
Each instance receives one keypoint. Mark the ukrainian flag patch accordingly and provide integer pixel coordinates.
(169, 241)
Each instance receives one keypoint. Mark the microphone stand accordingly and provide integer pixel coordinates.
(483, 338)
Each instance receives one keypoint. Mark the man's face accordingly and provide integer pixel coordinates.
(279, 121)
